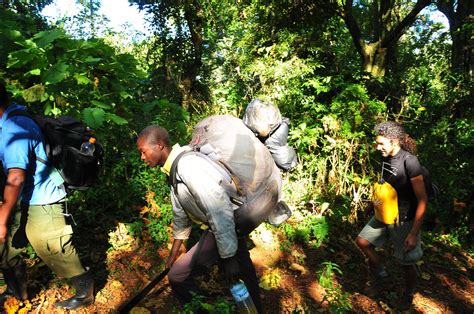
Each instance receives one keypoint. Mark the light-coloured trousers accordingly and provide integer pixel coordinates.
(46, 229)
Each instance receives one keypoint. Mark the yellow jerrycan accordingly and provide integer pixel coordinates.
(385, 202)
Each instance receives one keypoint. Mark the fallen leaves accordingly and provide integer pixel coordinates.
(271, 279)
(121, 239)
(13, 306)
(298, 267)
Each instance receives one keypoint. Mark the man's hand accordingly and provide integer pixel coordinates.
(170, 260)
(174, 253)
(410, 242)
(231, 269)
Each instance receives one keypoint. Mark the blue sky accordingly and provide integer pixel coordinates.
(117, 11)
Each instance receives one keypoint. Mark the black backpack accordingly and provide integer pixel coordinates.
(432, 190)
(63, 138)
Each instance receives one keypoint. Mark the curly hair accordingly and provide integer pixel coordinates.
(394, 131)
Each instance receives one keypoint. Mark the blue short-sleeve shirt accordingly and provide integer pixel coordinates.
(21, 141)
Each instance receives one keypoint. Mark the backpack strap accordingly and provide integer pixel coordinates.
(172, 180)
(21, 113)
(221, 166)
(24, 113)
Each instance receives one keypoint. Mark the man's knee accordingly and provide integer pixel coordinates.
(362, 243)
(172, 277)
(176, 276)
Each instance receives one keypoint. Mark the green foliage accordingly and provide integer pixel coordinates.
(136, 228)
(198, 303)
(298, 55)
(158, 227)
(456, 238)
(338, 300)
(312, 231)
(59, 75)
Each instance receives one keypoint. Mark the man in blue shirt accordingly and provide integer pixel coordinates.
(39, 219)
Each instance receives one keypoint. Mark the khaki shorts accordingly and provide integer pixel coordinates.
(379, 233)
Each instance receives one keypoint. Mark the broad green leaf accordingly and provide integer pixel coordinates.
(100, 104)
(34, 72)
(125, 95)
(206, 306)
(45, 38)
(81, 79)
(94, 117)
(34, 93)
(45, 97)
(47, 109)
(12, 34)
(28, 43)
(19, 58)
(85, 44)
(56, 111)
(116, 119)
(56, 73)
(90, 59)
(163, 102)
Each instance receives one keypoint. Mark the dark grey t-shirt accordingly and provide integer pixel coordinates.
(397, 171)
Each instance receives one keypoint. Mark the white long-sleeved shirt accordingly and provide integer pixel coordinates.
(203, 196)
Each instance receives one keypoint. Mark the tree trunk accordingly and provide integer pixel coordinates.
(460, 16)
(193, 12)
(376, 49)
(374, 59)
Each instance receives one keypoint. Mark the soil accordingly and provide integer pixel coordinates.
(123, 265)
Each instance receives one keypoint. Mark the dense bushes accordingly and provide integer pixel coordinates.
(308, 68)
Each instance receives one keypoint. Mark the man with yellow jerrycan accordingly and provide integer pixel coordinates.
(399, 201)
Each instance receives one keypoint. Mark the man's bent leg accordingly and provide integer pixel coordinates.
(9, 254)
(51, 238)
(248, 274)
(14, 271)
(374, 234)
(181, 274)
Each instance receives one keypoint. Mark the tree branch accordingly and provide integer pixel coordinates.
(398, 31)
(445, 7)
(353, 27)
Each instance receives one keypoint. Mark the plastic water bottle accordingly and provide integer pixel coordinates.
(242, 297)
(88, 147)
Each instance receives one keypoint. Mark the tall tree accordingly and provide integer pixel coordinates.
(376, 42)
(178, 28)
(88, 23)
(460, 15)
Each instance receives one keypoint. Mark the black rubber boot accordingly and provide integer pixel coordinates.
(84, 285)
(15, 278)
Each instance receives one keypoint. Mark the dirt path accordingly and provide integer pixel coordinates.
(291, 274)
